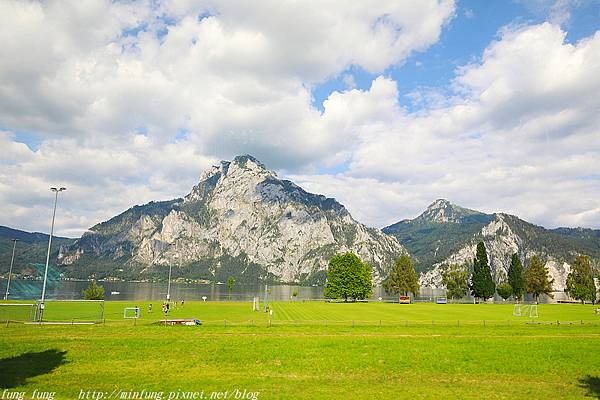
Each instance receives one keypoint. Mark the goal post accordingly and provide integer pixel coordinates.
(131, 312)
(533, 311)
(526, 310)
(17, 312)
(70, 311)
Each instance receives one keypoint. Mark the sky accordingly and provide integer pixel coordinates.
(386, 106)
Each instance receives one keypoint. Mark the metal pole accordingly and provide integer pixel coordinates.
(11, 267)
(169, 284)
(266, 297)
(56, 191)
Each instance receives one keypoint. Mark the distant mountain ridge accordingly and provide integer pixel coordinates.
(242, 220)
(31, 249)
(446, 233)
(239, 220)
(433, 235)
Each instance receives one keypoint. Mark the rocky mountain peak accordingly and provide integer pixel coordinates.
(248, 161)
(443, 211)
(439, 204)
(240, 219)
(242, 170)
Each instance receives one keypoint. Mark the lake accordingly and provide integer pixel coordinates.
(70, 290)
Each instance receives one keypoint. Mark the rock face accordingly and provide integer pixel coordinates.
(239, 220)
(448, 234)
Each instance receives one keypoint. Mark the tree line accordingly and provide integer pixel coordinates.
(349, 278)
(534, 280)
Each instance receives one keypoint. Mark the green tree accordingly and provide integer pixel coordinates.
(505, 290)
(456, 280)
(403, 278)
(482, 284)
(348, 278)
(580, 282)
(94, 292)
(515, 277)
(229, 285)
(537, 280)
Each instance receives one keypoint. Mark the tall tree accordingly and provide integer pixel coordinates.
(515, 277)
(348, 278)
(537, 280)
(580, 282)
(456, 280)
(482, 283)
(403, 278)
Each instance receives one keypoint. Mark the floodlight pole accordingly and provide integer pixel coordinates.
(56, 191)
(169, 284)
(11, 267)
(266, 296)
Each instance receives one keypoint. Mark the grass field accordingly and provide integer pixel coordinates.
(311, 350)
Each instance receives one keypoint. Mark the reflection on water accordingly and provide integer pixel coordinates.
(68, 290)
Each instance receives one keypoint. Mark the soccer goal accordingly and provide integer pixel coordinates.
(524, 310)
(131, 312)
(17, 312)
(69, 311)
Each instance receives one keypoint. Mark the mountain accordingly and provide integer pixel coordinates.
(31, 249)
(432, 236)
(446, 233)
(239, 220)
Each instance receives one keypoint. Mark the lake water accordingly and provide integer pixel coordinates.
(72, 290)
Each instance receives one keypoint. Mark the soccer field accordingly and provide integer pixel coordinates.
(311, 350)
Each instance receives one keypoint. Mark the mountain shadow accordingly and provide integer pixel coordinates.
(14, 371)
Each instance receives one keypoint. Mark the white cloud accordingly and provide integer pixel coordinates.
(129, 119)
(555, 11)
(521, 136)
(130, 101)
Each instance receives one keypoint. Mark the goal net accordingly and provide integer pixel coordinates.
(18, 312)
(131, 312)
(525, 310)
(70, 311)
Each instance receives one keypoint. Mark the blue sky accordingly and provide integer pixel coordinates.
(463, 40)
(385, 106)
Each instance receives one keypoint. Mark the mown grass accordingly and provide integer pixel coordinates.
(315, 360)
(319, 313)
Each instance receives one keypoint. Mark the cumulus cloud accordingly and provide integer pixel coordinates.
(519, 134)
(131, 100)
(102, 179)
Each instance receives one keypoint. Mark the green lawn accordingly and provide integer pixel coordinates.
(311, 351)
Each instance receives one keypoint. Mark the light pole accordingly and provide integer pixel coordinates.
(169, 285)
(10, 270)
(56, 191)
